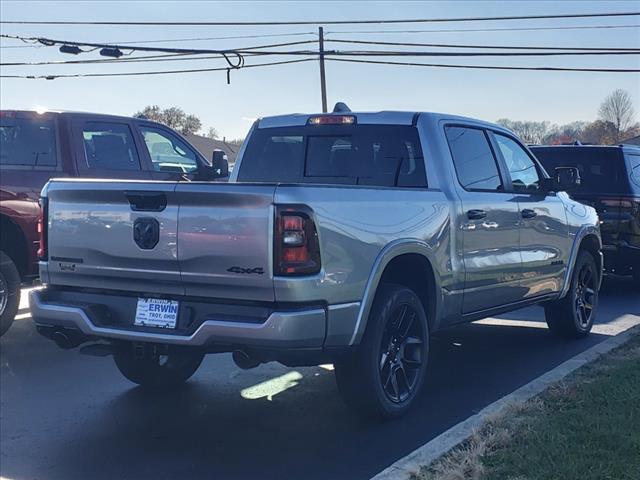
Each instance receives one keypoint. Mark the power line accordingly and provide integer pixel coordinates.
(49, 42)
(167, 57)
(53, 42)
(458, 30)
(472, 30)
(161, 72)
(487, 67)
(22, 46)
(392, 53)
(346, 60)
(502, 47)
(198, 39)
(318, 22)
(233, 37)
(238, 53)
(190, 57)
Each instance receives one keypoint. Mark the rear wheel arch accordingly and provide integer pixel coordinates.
(591, 243)
(414, 271)
(406, 263)
(14, 243)
(587, 238)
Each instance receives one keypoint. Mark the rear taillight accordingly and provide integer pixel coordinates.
(42, 228)
(296, 248)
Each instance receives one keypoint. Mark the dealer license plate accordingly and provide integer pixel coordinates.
(155, 312)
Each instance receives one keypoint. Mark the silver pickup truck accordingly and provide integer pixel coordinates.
(347, 238)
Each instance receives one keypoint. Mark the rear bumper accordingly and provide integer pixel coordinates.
(302, 328)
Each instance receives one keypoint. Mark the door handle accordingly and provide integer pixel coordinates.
(147, 201)
(476, 214)
(528, 213)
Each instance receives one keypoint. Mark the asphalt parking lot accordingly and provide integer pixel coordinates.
(66, 416)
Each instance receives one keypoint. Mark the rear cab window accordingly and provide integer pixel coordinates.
(27, 141)
(375, 155)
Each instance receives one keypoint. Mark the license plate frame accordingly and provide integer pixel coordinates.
(157, 313)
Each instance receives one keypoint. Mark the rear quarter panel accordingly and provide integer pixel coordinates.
(354, 225)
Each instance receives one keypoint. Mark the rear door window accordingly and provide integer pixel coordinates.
(522, 169)
(377, 155)
(27, 142)
(473, 159)
(109, 146)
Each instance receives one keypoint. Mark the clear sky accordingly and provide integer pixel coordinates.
(559, 97)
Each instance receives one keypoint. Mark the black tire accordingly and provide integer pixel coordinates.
(385, 373)
(573, 315)
(156, 371)
(9, 292)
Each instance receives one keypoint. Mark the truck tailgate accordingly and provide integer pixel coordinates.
(225, 239)
(92, 234)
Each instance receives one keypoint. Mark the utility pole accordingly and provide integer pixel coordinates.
(323, 81)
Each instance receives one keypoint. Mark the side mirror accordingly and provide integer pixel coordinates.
(220, 163)
(566, 179)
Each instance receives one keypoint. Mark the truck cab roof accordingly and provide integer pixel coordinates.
(385, 117)
(625, 147)
(69, 114)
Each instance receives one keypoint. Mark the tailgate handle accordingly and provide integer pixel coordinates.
(147, 201)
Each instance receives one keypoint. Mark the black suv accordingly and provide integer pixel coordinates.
(611, 184)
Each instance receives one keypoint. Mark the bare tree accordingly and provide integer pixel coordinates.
(212, 133)
(617, 108)
(529, 131)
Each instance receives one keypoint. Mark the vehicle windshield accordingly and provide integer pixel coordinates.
(602, 170)
(380, 155)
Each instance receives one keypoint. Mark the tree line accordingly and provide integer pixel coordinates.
(615, 124)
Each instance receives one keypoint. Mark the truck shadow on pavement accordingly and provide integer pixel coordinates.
(303, 430)
(68, 416)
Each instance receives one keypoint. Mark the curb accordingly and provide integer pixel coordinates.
(457, 434)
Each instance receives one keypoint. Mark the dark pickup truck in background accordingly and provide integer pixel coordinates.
(610, 182)
(35, 147)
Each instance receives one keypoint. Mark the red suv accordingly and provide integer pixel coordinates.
(35, 147)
